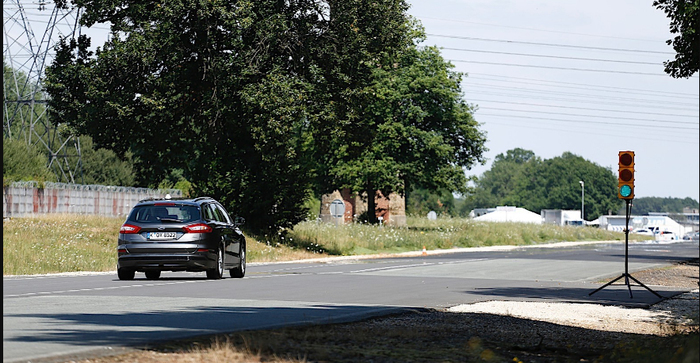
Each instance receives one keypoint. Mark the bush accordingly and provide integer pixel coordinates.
(23, 162)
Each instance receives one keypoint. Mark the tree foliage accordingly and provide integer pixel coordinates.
(104, 167)
(26, 156)
(646, 205)
(24, 162)
(420, 202)
(258, 102)
(17, 90)
(497, 185)
(520, 178)
(685, 21)
(413, 130)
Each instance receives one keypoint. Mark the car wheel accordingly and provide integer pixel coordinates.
(126, 274)
(239, 271)
(218, 272)
(152, 275)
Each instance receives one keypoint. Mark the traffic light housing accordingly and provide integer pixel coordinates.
(625, 178)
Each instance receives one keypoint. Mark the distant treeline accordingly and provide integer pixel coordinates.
(643, 206)
(520, 178)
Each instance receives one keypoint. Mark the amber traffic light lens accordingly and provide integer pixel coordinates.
(626, 175)
(626, 159)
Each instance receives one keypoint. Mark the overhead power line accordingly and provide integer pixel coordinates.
(561, 68)
(596, 116)
(584, 108)
(529, 95)
(544, 30)
(553, 56)
(592, 132)
(584, 95)
(592, 122)
(509, 79)
(550, 44)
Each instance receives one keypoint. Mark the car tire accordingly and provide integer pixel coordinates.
(218, 272)
(125, 274)
(152, 275)
(239, 271)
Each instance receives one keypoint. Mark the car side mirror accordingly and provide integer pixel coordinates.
(239, 221)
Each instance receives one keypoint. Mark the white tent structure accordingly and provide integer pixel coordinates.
(510, 214)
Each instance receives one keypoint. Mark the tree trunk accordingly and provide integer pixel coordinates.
(371, 206)
(406, 193)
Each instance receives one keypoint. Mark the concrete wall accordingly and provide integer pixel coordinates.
(26, 198)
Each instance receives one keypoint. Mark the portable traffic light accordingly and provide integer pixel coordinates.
(625, 179)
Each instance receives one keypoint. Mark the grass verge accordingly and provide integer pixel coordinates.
(54, 243)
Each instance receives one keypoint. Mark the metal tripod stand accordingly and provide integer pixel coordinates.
(626, 275)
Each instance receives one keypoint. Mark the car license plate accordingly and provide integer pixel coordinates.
(161, 235)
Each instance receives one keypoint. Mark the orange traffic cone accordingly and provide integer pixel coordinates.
(425, 253)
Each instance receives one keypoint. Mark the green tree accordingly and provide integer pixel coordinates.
(522, 179)
(18, 92)
(554, 184)
(23, 162)
(234, 93)
(646, 205)
(413, 129)
(684, 15)
(497, 185)
(422, 201)
(104, 167)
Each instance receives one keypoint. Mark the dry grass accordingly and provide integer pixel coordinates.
(443, 233)
(54, 243)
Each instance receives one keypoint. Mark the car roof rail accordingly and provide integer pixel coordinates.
(201, 198)
(151, 199)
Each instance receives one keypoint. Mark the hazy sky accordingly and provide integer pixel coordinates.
(555, 76)
(580, 76)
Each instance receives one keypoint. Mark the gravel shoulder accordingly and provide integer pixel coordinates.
(677, 313)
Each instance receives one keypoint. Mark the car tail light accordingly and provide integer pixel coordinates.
(121, 250)
(197, 228)
(129, 229)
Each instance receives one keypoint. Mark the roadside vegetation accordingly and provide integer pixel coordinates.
(55, 243)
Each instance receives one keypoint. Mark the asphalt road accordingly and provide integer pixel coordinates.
(58, 317)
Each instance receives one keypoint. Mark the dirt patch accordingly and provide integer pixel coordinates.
(683, 274)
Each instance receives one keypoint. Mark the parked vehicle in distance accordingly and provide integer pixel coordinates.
(644, 231)
(692, 236)
(194, 235)
(666, 236)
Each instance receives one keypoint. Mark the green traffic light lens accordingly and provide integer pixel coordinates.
(625, 190)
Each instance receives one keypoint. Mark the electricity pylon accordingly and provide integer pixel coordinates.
(31, 29)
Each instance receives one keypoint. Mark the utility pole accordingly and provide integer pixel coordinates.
(582, 214)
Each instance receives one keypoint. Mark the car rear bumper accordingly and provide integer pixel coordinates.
(167, 262)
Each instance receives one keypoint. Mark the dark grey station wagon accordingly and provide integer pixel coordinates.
(181, 235)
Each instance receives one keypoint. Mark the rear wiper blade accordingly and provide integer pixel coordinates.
(170, 220)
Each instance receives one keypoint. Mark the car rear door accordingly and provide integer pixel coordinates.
(223, 229)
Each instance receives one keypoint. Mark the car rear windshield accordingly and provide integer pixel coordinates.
(164, 213)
